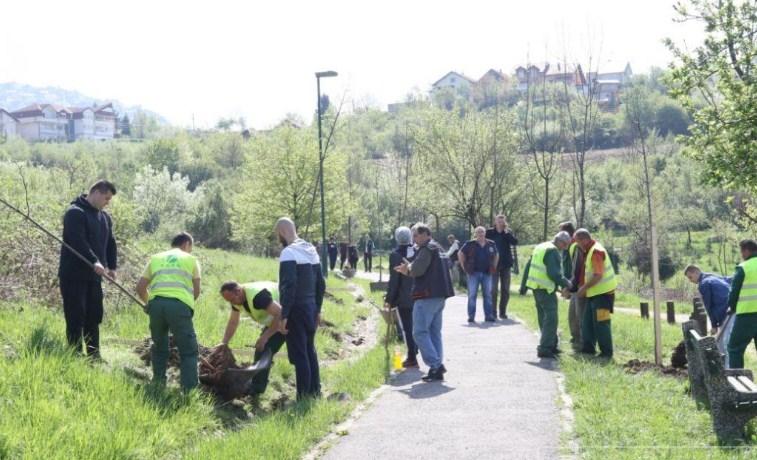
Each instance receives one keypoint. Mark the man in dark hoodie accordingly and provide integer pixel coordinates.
(399, 292)
(301, 289)
(89, 231)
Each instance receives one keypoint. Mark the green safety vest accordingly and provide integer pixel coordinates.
(250, 291)
(572, 249)
(609, 282)
(171, 276)
(537, 271)
(747, 302)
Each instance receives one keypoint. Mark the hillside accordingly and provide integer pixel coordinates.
(13, 96)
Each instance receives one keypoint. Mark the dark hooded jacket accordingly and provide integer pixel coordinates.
(90, 232)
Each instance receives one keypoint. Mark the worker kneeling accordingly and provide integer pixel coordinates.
(543, 274)
(260, 301)
(170, 285)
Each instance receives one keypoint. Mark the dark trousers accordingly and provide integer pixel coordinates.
(83, 310)
(501, 278)
(744, 332)
(174, 316)
(368, 261)
(260, 381)
(546, 311)
(596, 326)
(332, 260)
(301, 350)
(406, 315)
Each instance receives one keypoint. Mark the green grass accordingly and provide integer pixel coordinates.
(619, 415)
(55, 405)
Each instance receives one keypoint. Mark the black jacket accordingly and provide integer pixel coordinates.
(301, 283)
(431, 278)
(90, 232)
(505, 242)
(398, 293)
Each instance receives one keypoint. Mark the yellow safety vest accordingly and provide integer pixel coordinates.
(609, 282)
(537, 271)
(250, 291)
(171, 276)
(572, 249)
(747, 302)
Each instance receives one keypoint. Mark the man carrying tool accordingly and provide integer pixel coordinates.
(743, 301)
(88, 230)
(170, 285)
(260, 301)
(301, 289)
(543, 275)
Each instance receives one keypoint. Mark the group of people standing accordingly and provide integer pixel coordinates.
(289, 310)
(348, 252)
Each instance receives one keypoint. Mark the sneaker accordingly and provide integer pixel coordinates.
(491, 320)
(470, 320)
(442, 369)
(502, 316)
(410, 364)
(434, 375)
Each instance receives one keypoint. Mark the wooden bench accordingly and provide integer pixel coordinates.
(695, 370)
(731, 393)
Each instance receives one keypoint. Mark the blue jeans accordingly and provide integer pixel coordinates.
(485, 280)
(427, 330)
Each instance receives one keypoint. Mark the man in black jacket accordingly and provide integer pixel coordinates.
(301, 289)
(398, 293)
(89, 231)
(505, 240)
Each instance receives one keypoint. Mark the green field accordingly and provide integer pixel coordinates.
(620, 415)
(54, 405)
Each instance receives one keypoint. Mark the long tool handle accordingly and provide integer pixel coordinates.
(74, 252)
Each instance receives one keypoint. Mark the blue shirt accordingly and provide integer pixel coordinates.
(714, 290)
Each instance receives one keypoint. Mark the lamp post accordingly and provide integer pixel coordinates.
(324, 245)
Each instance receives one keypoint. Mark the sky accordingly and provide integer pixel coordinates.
(201, 60)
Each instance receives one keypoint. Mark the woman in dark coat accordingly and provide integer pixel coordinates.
(398, 292)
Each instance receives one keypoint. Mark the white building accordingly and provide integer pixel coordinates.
(8, 124)
(453, 80)
(50, 122)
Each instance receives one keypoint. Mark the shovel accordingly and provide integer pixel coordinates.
(251, 371)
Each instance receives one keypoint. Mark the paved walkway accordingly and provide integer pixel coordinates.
(498, 401)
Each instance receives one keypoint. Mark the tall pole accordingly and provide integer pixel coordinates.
(324, 248)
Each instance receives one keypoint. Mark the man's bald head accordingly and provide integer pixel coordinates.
(286, 231)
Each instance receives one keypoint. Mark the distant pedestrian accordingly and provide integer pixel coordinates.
(479, 258)
(572, 267)
(456, 270)
(743, 302)
(597, 285)
(301, 289)
(505, 241)
(543, 275)
(88, 230)
(352, 255)
(431, 288)
(368, 253)
(170, 285)
(333, 252)
(342, 254)
(398, 293)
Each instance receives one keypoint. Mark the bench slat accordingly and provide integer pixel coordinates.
(748, 384)
(737, 385)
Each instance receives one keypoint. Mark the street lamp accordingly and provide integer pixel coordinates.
(324, 245)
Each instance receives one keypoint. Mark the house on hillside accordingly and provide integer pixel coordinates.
(454, 80)
(8, 124)
(491, 77)
(608, 86)
(572, 75)
(51, 122)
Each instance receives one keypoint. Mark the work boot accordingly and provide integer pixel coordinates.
(546, 355)
(434, 375)
(410, 363)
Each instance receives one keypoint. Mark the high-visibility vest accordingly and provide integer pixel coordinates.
(537, 271)
(250, 291)
(747, 302)
(171, 276)
(608, 283)
(572, 249)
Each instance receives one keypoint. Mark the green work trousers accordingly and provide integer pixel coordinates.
(260, 381)
(576, 312)
(744, 331)
(596, 326)
(546, 311)
(175, 316)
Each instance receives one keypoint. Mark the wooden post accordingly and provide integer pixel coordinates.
(655, 290)
(671, 313)
(644, 306)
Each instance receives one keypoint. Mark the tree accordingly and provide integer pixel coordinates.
(164, 153)
(163, 199)
(125, 125)
(716, 83)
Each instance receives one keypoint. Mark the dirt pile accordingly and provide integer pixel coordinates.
(636, 366)
(213, 370)
(678, 358)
